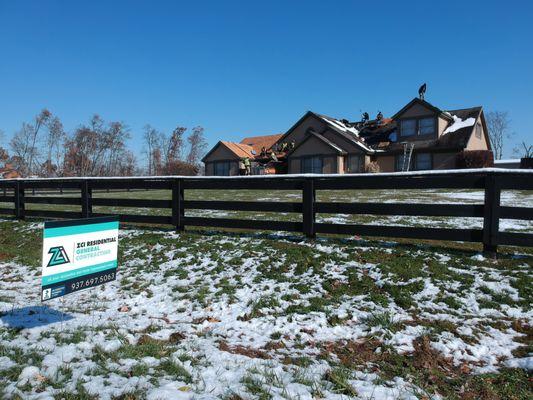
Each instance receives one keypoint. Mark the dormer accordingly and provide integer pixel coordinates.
(419, 120)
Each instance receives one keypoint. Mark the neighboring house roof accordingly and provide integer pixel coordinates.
(258, 142)
(8, 172)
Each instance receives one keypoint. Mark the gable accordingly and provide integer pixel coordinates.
(479, 141)
(415, 111)
(314, 145)
(220, 152)
(299, 131)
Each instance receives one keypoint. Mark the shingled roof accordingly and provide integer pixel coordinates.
(258, 142)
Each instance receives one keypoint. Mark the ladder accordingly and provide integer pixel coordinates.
(407, 153)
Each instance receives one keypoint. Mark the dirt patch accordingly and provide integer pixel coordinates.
(353, 353)
(243, 350)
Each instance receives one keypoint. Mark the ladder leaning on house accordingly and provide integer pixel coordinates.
(407, 153)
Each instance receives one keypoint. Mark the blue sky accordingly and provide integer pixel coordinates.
(251, 68)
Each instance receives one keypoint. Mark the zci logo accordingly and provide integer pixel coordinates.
(59, 256)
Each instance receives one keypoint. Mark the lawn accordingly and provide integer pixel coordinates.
(259, 316)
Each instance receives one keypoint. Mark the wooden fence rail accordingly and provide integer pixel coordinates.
(491, 181)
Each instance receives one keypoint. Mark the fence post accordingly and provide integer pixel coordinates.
(178, 211)
(491, 215)
(86, 199)
(19, 200)
(308, 208)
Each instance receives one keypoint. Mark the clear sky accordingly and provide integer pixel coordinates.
(254, 67)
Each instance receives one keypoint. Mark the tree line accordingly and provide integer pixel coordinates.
(43, 148)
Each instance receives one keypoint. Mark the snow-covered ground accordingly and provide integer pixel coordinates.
(273, 316)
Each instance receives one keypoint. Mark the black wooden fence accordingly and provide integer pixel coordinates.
(491, 181)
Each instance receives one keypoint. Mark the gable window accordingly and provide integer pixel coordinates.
(414, 127)
(422, 161)
(478, 130)
(408, 127)
(222, 168)
(312, 165)
(354, 163)
(426, 126)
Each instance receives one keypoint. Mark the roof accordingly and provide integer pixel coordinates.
(8, 172)
(346, 129)
(238, 149)
(458, 133)
(258, 142)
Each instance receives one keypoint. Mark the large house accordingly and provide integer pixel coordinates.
(418, 137)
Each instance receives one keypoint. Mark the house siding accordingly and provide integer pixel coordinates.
(294, 166)
(444, 160)
(313, 146)
(476, 143)
(386, 163)
(300, 132)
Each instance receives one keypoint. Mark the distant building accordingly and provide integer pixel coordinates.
(418, 137)
(9, 172)
(507, 163)
(224, 157)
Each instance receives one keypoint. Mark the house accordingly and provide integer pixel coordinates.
(419, 136)
(9, 172)
(223, 159)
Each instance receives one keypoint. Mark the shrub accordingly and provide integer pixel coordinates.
(475, 159)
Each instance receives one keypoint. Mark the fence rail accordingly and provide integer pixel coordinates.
(491, 181)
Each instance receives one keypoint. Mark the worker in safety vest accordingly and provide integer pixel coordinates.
(247, 166)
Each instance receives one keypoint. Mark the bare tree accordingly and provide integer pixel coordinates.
(524, 150)
(152, 140)
(98, 149)
(197, 145)
(55, 142)
(174, 145)
(24, 143)
(498, 123)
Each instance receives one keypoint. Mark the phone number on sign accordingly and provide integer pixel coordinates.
(92, 281)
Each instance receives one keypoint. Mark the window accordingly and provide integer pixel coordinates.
(354, 163)
(222, 168)
(408, 127)
(312, 165)
(413, 127)
(426, 126)
(478, 130)
(422, 161)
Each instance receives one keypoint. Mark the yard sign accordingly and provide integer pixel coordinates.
(78, 254)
